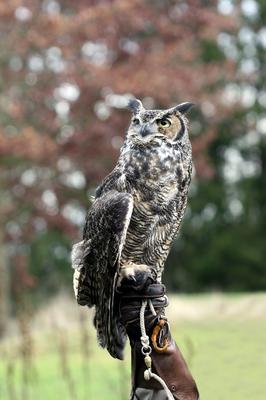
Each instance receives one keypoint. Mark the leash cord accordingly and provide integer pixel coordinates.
(146, 349)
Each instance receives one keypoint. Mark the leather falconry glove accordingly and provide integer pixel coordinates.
(167, 360)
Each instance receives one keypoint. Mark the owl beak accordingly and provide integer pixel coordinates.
(145, 130)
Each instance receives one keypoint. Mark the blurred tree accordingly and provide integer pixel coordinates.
(67, 71)
(223, 241)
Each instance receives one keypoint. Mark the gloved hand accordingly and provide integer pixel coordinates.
(167, 360)
(130, 304)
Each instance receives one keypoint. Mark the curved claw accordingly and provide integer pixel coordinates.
(135, 276)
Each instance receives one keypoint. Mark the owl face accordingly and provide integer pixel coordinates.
(169, 124)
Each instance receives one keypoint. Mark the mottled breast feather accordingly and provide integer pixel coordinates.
(135, 216)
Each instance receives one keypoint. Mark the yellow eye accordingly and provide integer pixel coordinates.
(164, 122)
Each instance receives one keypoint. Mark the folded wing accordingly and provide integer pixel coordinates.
(96, 262)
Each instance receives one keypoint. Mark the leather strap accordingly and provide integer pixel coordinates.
(171, 367)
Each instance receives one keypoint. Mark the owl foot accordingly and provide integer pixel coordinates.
(134, 275)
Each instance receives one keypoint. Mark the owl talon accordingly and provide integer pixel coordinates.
(134, 275)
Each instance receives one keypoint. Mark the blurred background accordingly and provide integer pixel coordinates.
(67, 71)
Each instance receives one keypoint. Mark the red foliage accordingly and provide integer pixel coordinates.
(149, 48)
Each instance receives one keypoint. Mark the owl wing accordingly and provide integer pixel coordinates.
(96, 261)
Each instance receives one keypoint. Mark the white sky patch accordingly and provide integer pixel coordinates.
(261, 125)
(74, 179)
(231, 94)
(251, 139)
(262, 98)
(236, 167)
(49, 198)
(54, 52)
(249, 66)
(225, 7)
(54, 60)
(36, 63)
(102, 110)
(246, 35)
(261, 37)
(250, 51)
(129, 46)
(51, 6)
(23, 14)
(74, 213)
(227, 43)
(50, 202)
(234, 93)
(97, 53)
(67, 91)
(28, 177)
(62, 108)
(249, 8)
(235, 207)
(118, 100)
(248, 95)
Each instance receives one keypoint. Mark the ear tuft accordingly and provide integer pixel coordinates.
(183, 108)
(135, 105)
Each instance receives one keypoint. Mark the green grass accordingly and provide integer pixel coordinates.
(226, 356)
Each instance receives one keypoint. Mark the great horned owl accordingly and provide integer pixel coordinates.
(135, 216)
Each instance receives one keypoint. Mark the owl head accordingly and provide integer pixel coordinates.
(170, 124)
